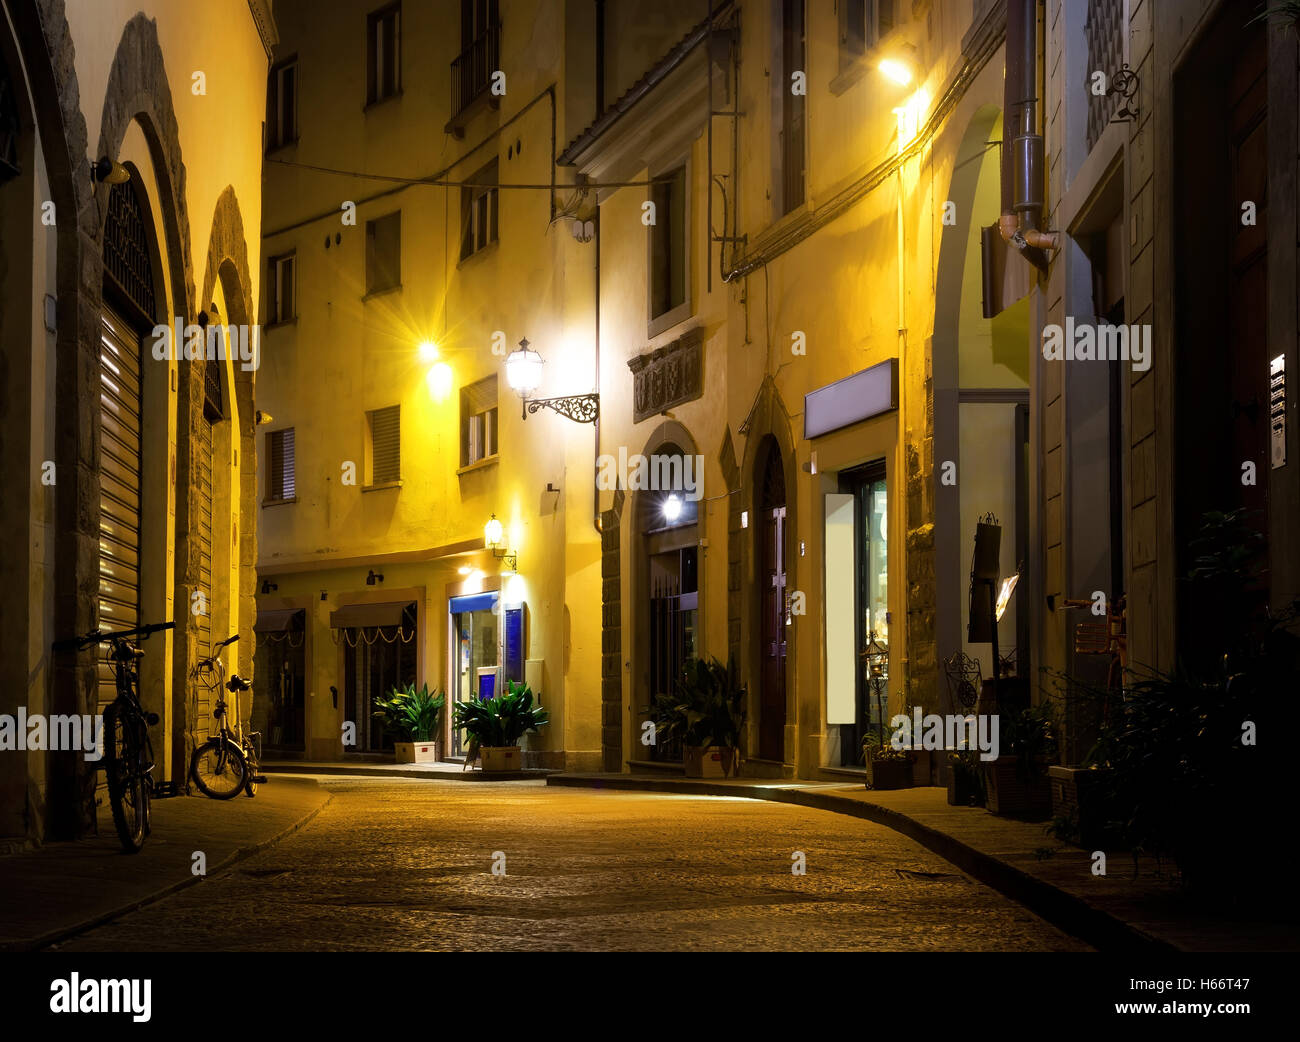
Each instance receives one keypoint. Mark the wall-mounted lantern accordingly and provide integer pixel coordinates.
(524, 375)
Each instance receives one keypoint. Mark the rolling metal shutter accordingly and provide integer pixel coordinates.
(119, 484)
(203, 534)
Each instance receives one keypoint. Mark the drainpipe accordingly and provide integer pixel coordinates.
(1022, 155)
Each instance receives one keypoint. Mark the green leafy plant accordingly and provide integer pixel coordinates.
(1030, 736)
(411, 715)
(879, 749)
(969, 769)
(707, 709)
(500, 720)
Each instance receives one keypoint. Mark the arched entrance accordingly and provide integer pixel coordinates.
(773, 604)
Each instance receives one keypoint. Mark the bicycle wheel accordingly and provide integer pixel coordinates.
(127, 787)
(218, 769)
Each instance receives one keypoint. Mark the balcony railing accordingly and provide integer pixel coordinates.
(471, 72)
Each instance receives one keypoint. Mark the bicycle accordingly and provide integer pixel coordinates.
(227, 763)
(128, 753)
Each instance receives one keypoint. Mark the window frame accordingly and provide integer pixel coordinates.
(467, 417)
(372, 485)
(269, 497)
(374, 43)
(371, 234)
(471, 195)
(275, 296)
(274, 102)
(676, 313)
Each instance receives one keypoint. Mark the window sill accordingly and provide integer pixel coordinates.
(482, 464)
(486, 251)
(377, 102)
(381, 486)
(282, 323)
(283, 146)
(279, 502)
(851, 71)
(381, 292)
(681, 313)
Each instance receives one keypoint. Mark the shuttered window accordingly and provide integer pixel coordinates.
(281, 482)
(384, 253)
(385, 445)
(478, 421)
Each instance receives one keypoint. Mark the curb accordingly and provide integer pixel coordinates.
(362, 771)
(1064, 910)
(239, 854)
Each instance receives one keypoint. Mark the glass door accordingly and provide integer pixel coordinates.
(476, 655)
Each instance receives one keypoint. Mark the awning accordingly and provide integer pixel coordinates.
(280, 620)
(355, 616)
(473, 602)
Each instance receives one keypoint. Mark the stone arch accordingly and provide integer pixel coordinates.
(767, 425)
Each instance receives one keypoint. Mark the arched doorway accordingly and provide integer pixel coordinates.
(773, 604)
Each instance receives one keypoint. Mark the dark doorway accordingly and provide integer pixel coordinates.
(1221, 364)
(774, 610)
(376, 659)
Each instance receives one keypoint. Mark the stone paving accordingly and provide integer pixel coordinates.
(402, 864)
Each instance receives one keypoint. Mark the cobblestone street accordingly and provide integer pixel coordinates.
(407, 865)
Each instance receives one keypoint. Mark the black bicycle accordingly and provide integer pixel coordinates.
(128, 752)
(227, 763)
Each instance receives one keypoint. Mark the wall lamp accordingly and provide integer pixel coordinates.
(494, 538)
(524, 375)
(109, 172)
(900, 68)
(372, 578)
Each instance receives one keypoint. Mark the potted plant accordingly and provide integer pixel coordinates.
(495, 724)
(966, 780)
(412, 717)
(887, 767)
(1018, 781)
(707, 712)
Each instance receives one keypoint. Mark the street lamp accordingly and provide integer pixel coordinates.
(494, 539)
(524, 375)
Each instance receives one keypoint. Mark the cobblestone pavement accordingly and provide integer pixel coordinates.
(394, 864)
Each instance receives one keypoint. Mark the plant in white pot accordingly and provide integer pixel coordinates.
(412, 717)
(495, 724)
(707, 712)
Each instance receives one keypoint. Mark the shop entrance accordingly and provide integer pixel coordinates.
(775, 614)
(476, 654)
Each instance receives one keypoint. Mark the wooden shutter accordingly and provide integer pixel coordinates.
(281, 481)
(385, 445)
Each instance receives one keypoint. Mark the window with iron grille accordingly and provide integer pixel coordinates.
(385, 456)
(212, 364)
(126, 248)
(280, 289)
(478, 211)
(478, 421)
(384, 53)
(384, 253)
(480, 55)
(282, 105)
(281, 481)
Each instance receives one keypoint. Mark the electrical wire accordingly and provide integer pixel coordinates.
(436, 182)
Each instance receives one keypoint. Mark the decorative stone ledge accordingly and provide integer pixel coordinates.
(667, 376)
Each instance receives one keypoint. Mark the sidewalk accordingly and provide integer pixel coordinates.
(439, 771)
(1017, 858)
(65, 888)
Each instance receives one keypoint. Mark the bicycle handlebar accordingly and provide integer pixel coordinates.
(101, 636)
(228, 640)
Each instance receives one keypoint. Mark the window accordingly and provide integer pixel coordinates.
(863, 24)
(384, 427)
(668, 245)
(212, 366)
(281, 484)
(280, 295)
(793, 59)
(478, 211)
(384, 54)
(282, 105)
(384, 253)
(480, 52)
(478, 421)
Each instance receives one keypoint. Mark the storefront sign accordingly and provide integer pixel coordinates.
(851, 400)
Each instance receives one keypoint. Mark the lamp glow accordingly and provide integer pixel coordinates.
(493, 532)
(897, 71)
(672, 507)
(524, 370)
(1004, 595)
(428, 351)
(439, 379)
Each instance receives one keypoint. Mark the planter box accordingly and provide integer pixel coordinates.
(1076, 797)
(500, 758)
(416, 752)
(714, 762)
(1008, 793)
(964, 790)
(889, 774)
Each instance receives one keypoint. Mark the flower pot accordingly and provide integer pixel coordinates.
(889, 774)
(1009, 793)
(713, 762)
(964, 789)
(500, 758)
(416, 752)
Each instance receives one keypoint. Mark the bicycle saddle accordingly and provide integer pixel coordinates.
(237, 683)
